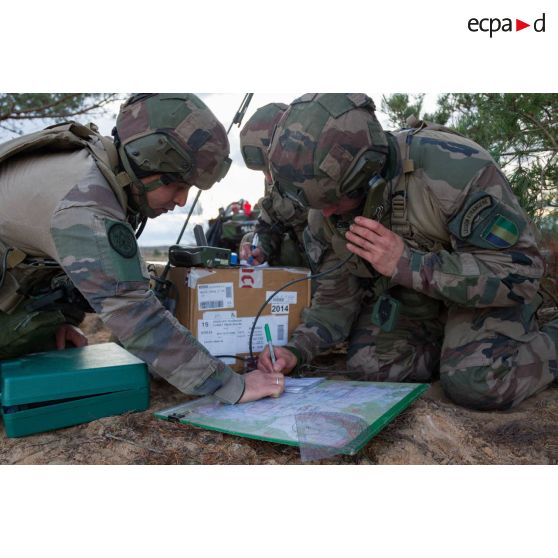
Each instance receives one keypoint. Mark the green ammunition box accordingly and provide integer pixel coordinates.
(45, 391)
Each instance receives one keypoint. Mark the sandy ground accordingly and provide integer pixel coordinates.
(432, 431)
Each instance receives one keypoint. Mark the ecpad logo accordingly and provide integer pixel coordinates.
(494, 24)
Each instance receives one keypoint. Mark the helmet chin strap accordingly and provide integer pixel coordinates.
(138, 185)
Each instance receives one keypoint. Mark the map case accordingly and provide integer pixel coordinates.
(343, 415)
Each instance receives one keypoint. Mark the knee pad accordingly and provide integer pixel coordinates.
(469, 388)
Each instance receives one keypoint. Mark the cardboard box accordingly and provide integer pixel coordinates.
(219, 306)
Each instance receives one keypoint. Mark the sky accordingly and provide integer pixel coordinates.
(240, 181)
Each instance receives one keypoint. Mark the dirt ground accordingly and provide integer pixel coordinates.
(431, 431)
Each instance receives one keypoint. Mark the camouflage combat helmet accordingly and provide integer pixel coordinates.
(256, 135)
(327, 146)
(172, 134)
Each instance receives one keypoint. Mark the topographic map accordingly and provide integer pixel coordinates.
(341, 415)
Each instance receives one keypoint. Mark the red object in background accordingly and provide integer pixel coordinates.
(247, 208)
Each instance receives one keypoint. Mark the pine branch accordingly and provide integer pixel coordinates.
(20, 114)
(537, 124)
(42, 111)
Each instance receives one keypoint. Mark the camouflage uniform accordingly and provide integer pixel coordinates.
(281, 223)
(468, 278)
(65, 206)
(280, 229)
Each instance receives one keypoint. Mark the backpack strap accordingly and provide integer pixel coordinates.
(399, 187)
(105, 154)
(399, 220)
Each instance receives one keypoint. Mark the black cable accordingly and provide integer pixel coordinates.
(316, 276)
(231, 356)
(141, 227)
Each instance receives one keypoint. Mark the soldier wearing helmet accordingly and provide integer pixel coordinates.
(442, 266)
(281, 222)
(71, 201)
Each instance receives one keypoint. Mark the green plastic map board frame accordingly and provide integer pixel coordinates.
(372, 404)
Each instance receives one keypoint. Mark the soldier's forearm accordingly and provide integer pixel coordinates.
(325, 324)
(169, 348)
(309, 340)
(468, 279)
(117, 287)
(304, 346)
(335, 307)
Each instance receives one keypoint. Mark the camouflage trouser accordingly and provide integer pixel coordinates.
(490, 358)
(22, 332)
(409, 353)
(495, 358)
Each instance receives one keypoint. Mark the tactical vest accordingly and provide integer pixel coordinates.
(17, 275)
(389, 203)
(428, 233)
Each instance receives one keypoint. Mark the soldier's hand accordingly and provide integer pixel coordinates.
(285, 361)
(73, 334)
(374, 243)
(257, 257)
(252, 257)
(258, 384)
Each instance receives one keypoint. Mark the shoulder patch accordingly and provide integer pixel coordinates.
(502, 232)
(488, 223)
(473, 211)
(122, 240)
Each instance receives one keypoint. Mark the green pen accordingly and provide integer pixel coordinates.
(269, 343)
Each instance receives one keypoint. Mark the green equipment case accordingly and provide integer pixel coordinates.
(45, 391)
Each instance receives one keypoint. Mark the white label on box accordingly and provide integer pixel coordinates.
(284, 297)
(279, 308)
(250, 278)
(219, 314)
(231, 336)
(196, 274)
(215, 295)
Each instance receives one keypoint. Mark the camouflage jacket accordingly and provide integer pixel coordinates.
(60, 206)
(467, 241)
(279, 216)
